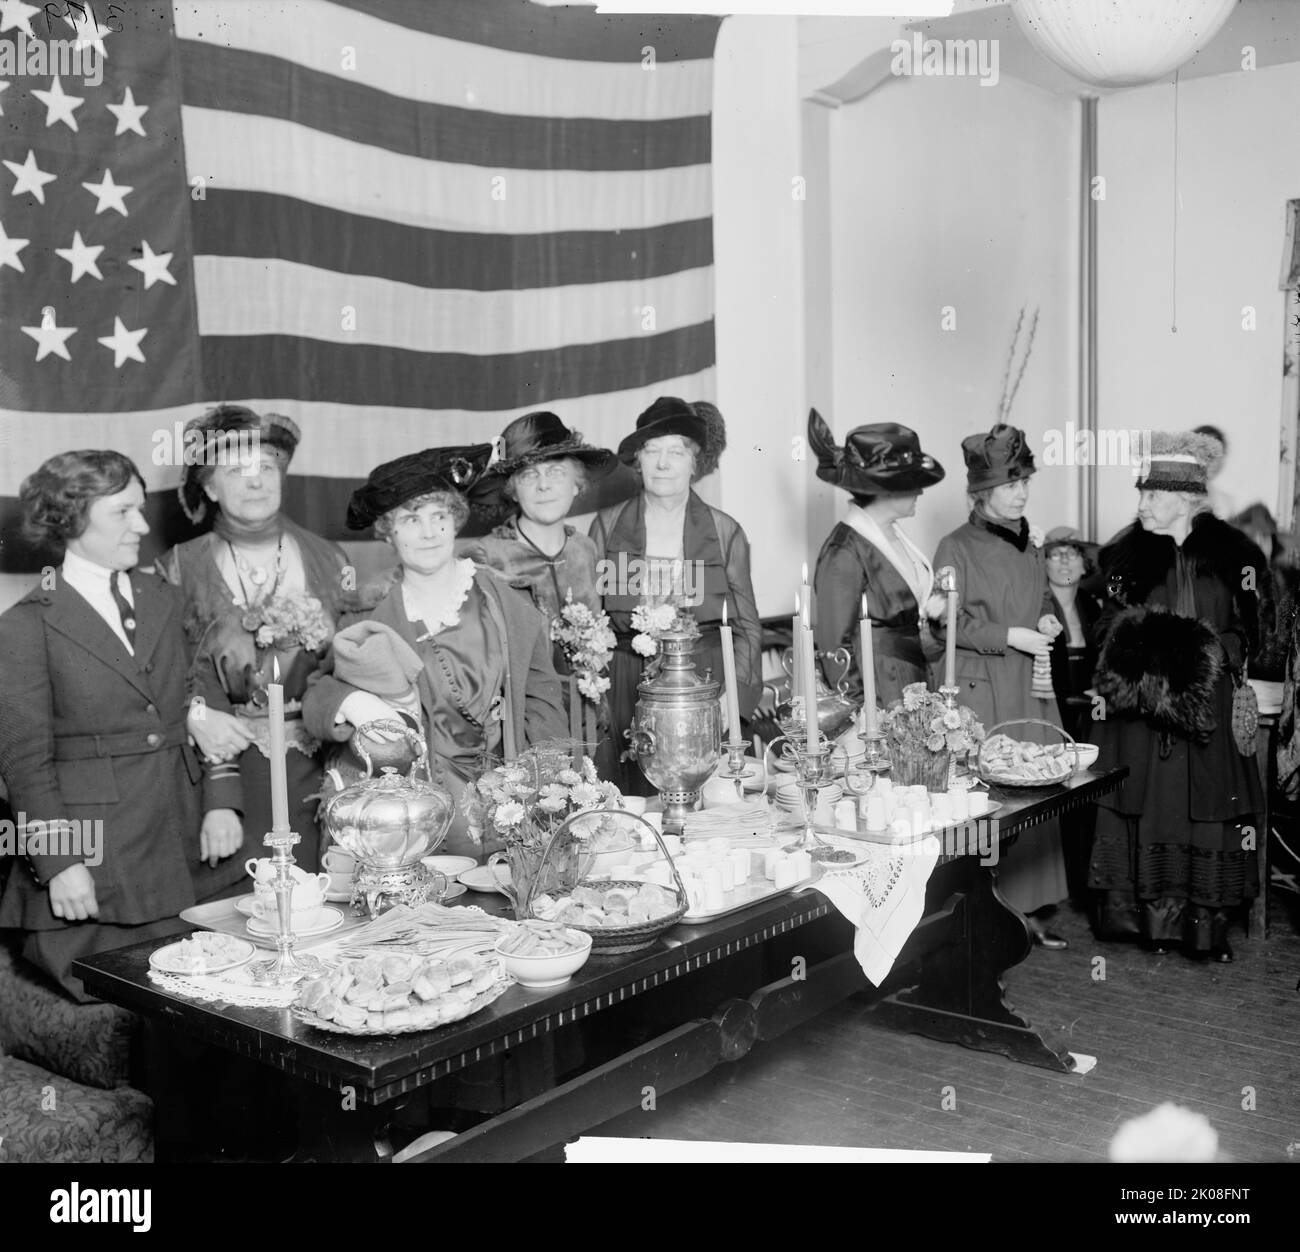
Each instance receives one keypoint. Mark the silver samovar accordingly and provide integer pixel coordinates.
(677, 730)
(390, 822)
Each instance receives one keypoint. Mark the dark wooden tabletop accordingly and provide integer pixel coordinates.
(381, 1069)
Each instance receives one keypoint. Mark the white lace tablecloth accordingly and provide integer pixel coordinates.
(884, 898)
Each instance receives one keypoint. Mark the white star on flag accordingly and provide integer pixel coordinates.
(9, 250)
(109, 194)
(87, 34)
(128, 115)
(23, 18)
(153, 266)
(29, 177)
(50, 338)
(82, 257)
(125, 343)
(59, 105)
(4, 86)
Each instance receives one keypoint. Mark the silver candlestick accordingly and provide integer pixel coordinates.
(286, 967)
(813, 773)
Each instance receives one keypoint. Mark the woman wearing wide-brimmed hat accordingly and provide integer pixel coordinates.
(1004, 621)
(253, 568)
(1174, 860)
(884, 470)
(543, 468)
(487, 686)
(666, 545)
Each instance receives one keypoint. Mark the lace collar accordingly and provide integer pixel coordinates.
(446, 611)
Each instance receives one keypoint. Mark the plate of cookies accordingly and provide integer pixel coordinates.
(399, 995)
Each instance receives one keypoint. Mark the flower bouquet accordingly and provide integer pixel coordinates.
(524, 802)
(286, 626)
(588, 643)
(653, 621)
(921, 734)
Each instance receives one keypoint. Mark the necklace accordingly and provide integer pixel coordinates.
(256, 574)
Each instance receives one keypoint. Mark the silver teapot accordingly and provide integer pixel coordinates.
(390, 822)
(677, 730)
(836, 712)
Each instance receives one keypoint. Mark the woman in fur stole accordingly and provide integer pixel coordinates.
(1174, 856)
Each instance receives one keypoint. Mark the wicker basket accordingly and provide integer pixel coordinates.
(1004, 780)
(613, 940)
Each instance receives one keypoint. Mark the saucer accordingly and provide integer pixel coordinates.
(244, 905)
(317, 922)
(454, 891)
(481, 879)
(451, 866)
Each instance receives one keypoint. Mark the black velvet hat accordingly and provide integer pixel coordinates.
(395, 482)
(1000, 456)
(543, 437)
(221, 423)
(883, 457)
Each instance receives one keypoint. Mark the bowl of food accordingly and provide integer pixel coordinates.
(543, 954)
(620, 915)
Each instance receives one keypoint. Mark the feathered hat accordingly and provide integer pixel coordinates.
(883, 457)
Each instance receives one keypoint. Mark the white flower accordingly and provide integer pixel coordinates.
(553, 804)
(585, 795)
(514, 774)
(1036, 535)
(509, 815)
(644, 645)
(569, 777)
(589, 770)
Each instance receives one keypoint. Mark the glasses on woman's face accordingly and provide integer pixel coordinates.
(554, 472)
(1064, 555)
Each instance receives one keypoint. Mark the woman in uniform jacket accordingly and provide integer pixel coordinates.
(868, 554)
(666, 545)
(487, 686)
(92, 726)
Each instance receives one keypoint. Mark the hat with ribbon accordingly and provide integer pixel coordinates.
(875, 459)
(543, 437)
(670, 416)
(224, 435)
(375, 658)
(1179, 460)
(395, 482)
(1000, 456)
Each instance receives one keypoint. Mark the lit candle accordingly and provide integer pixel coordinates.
(867, 659)
(808, 683)
(279, 783)
(950, 643)
(796, 649)
(729, 676)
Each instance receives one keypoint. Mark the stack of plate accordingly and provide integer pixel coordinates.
(789, 797)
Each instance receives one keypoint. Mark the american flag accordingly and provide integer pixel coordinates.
(401, 223)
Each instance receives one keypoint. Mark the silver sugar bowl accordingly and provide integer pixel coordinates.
(676, 732)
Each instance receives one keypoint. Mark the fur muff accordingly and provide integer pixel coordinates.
(1163, 668)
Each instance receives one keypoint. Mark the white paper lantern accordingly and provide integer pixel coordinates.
(1120, 43)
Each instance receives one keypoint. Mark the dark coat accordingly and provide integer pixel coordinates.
(88, 731)
(532, 690)
(848, 567)
(1167, 680)
(1088, 606)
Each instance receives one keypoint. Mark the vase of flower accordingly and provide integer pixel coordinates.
(922, 732)
(524, 855)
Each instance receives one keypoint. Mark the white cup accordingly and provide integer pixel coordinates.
(633, 804)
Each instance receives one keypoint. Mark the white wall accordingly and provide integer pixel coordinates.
(757, 236)
(949, 193)
(1239, 136)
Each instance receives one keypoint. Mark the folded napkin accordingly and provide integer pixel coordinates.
(884, 898)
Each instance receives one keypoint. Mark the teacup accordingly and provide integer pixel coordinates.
(308, 889)
(337, 861)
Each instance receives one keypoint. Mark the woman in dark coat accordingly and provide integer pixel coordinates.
(868, 554)
(253, 560)
(487, 686)
(92, 725)
(1070, 560)
(1173, 858)
(1004, 621)
(666, 545)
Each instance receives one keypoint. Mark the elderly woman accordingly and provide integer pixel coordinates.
(869, 555)
(486, 683)
(544, 467)
(258, 589)
(92, 726)
(1004, 621)
(665, 545)
(1174, 858)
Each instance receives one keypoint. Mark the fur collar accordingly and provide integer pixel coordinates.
(1018, 537)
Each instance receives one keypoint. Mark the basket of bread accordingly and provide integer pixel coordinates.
(1007, 762)
(397, 995)
(623, 915)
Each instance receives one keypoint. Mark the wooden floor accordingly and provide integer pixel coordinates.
(1161, 1027)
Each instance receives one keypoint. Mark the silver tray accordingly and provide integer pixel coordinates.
(221, 915)
(753, 891)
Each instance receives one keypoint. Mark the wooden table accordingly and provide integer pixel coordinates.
(662, 1018)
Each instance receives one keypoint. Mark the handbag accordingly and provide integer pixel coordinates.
(1245, 714)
